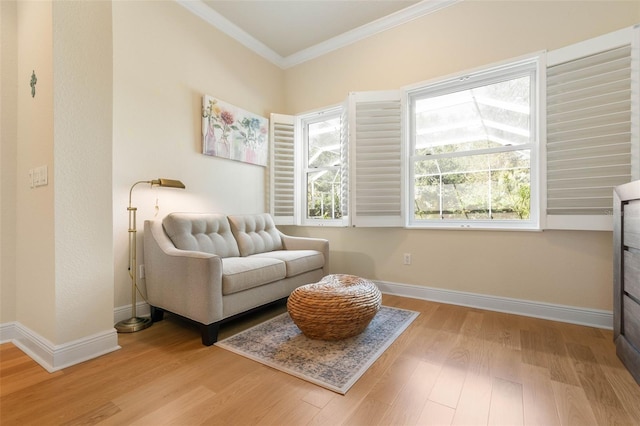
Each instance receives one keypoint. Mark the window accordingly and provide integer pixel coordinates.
(322, 169)
(536, 143)
(474, 148)
(319, 158)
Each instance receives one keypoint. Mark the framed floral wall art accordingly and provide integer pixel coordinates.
(231, 132)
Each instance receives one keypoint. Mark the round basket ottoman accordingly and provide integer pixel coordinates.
(335, 308)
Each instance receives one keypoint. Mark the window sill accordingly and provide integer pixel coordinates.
(483, 226)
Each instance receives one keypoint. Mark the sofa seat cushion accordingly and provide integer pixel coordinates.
(243, 273)
(207, 232)
(297, 261)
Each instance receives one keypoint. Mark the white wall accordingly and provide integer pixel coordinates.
(567, 268)
(164, 60)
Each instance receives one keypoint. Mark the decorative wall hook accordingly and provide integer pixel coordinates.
(34, 80)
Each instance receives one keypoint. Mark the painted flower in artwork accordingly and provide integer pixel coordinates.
(220, 119)
(227, 117)
(253, 134)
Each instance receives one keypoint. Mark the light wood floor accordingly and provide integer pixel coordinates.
(453, 365)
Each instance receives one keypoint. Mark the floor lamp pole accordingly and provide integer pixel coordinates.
(136, 323)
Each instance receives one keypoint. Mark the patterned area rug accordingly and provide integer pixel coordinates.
(279, 343)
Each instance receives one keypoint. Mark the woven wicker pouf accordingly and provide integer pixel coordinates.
(335, 308)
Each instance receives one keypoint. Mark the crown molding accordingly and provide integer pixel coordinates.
(425, 7)
(400, 17)
(200, 9)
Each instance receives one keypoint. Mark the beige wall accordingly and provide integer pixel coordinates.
(8, 158)
(118, 100)
(461, 37)
(164, 60)
(35, 257)
(57, 273)
(559, 267)
(82, 172)
(568, 268)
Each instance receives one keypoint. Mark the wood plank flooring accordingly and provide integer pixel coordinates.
(453, 366)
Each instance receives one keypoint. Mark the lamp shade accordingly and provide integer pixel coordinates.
(168, 183)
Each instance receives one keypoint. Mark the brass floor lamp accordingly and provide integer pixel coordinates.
(136, 323)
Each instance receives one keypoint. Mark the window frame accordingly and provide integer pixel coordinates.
(532, 65)
(302, 141)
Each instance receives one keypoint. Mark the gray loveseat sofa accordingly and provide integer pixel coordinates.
(209, 267)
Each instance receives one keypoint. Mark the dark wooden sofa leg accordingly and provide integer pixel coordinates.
(209, 333)
(157, 314)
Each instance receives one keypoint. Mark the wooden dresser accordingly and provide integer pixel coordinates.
(626, 275)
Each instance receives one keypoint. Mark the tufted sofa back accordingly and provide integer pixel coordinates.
(255, 233)
(207, 232)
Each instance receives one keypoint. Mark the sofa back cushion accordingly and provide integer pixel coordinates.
(255, 233)
(207, 232)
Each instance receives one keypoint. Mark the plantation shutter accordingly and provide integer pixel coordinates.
(344, 161)
(375, 127)
(282, 170)
(591, 133)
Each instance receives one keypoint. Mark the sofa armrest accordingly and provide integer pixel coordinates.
(187, 283)
(306, 243)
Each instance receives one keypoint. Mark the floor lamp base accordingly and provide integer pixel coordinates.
(133, 324)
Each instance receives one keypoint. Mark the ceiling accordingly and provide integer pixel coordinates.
(289, 32)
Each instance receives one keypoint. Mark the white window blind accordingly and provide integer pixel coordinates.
(375, 130)
(590, 141)
(344, 159)
(371, 180)
(282, 169)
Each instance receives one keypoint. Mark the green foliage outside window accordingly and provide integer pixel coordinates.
(488, 186)
(323, 201)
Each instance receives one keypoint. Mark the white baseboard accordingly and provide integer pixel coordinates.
(56, 357)
(122, 313)
(570, 314)
(7, 331)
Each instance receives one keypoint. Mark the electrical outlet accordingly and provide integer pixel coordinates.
(141, 271)
(44, 175)
(406, 258)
